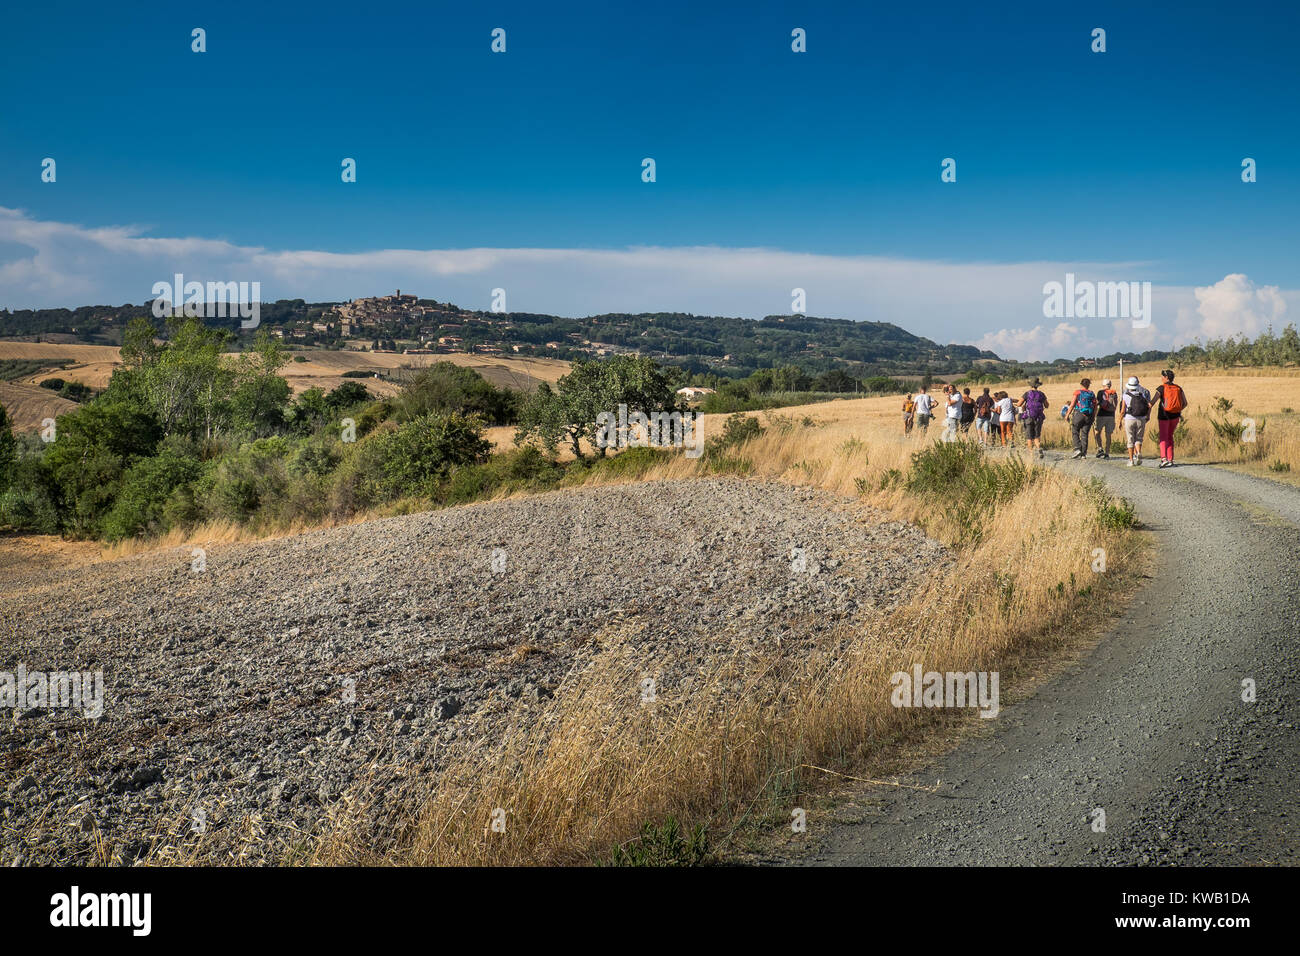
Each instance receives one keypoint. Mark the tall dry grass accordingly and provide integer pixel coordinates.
(218, 532)
(753, 733)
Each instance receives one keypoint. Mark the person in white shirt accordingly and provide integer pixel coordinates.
(1136, 405)
(924, 409)
(1006, 411)
(953, 418)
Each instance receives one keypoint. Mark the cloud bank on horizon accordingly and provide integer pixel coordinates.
(996, 306)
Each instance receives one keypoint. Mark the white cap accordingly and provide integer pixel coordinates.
(1106, 383)
(1132, 382)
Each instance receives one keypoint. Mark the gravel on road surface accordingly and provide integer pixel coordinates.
(1150, 727)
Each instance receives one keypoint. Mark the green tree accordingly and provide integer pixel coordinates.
(252, 479)
(139, 344)
(836, 380)
(443, 388)
(1289, 345)
(348, 395)
(310, 411)
(93, 447)
(188, 384)
(261, 395)
(569, 411)
(791, 378)
(8, 449)
(423, 451)
(147, 488)
(31, 502)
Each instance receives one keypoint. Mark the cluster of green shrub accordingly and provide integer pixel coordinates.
(11, 369)
(670, 844)
(72, 391)
(968, 483)
(186, 433)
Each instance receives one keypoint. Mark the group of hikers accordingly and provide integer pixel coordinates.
(1089, 412)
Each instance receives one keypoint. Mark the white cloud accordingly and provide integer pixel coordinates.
(1039, 342)
(45, 264)
(1232, 306)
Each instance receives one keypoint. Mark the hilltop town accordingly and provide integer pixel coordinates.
(723, 346)
(730, 347)
(409, 324)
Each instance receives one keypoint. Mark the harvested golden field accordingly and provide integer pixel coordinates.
(324, 369)
(510, 371)
(93, 365)
(89, 364)
(29, 405)
(58, 354)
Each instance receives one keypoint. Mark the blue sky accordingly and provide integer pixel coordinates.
(1124, 164)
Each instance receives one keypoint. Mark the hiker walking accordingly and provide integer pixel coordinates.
(983, 417)
(1080, 413)
(1136, 403)
(952, 418)
(1170, 401)
(1006, 412)
(1104, 427)
(1033, 410)
(924, 404)
(967, 410)
(909, 414)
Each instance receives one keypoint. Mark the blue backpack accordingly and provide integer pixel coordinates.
(1087, 402)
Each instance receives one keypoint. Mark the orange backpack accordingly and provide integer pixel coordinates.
(1172, 398)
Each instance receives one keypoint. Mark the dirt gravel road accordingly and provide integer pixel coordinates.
(1150, 727)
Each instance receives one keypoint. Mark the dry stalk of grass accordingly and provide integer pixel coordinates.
(223, 531)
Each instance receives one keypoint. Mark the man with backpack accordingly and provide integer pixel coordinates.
(1170, 401)
(984, 417)
(1107, 402)
(1136, 404)
(1033, 409)
(1080, 413)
